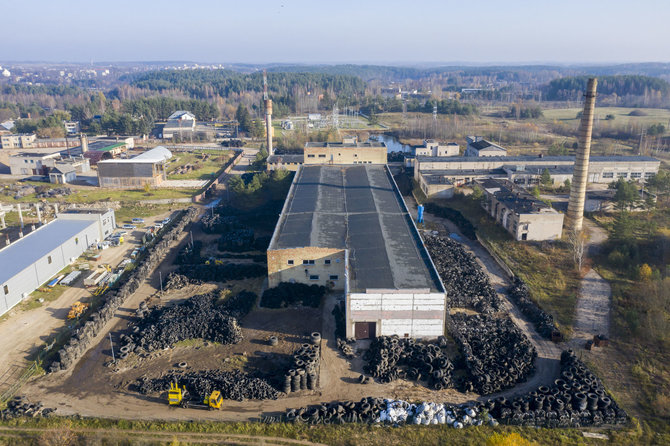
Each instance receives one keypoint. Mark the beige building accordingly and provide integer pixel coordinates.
(345, 153)
(347, 227)
(433, 148)
(133, 173)
(287, 162)
(436, 186)
(18, 141)
(520, 213)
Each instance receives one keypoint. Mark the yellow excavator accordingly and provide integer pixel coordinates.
(177, 397)
(77, 310)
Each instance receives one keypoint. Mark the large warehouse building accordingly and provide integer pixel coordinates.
(527, 170)
(146, 168)
(34, 259)
(347, 227)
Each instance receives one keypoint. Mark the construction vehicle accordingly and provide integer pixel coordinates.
(77, 310)
(177, 397)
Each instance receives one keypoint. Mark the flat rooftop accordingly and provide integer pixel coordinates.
(434, 175)
(357, 208)
(24, 252)
(516, 198)
(291, 158)
(534, 158)
(105, 146)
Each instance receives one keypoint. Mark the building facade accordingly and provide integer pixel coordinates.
(287, 162)
(345, 153)
(147, 168)
(520, 213)
(433, 148)
(18, 141)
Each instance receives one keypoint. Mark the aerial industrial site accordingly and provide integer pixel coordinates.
(246, 253)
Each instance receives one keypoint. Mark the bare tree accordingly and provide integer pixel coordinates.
(577, 240)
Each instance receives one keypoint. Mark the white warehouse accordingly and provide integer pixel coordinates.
(34, 259)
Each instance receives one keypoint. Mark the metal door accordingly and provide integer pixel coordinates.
(365, 330)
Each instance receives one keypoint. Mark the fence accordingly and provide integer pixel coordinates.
(219, 179)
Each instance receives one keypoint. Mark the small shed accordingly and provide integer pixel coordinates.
(62, 174)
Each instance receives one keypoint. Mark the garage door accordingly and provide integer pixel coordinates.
(365, 330)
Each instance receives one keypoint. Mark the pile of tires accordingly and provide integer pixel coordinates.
(222, 273)
(576, 399)
(199, 317)
(520, 295)
(19, 406)
(233, 385)
(286, 294)
(189, 254)
(345, 347)
(455, 216)
(218, 224)
(178, 281)
(390, 358)
(496, 354)
(127, 284)
(466, 283)
(389, 412)
(237, 240)
(304, 371)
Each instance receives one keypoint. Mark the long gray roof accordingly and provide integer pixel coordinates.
(529, 158)
(356, 207)
(26, 251)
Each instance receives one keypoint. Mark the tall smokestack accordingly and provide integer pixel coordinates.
(83, 140)
(575, 215)
(268, 113)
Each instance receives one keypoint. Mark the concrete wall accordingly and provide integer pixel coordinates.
(281, 270)
(438, 190)
(293, 167)
(413, 313)
(43, 270)
(345, 155)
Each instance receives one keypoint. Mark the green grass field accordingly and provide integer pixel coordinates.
(204, 169)
(621, 115)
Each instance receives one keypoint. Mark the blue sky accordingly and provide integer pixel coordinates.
(362, 31)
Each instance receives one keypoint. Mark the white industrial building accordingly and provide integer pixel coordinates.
(478, 146)
(33, 260)
(433, 148)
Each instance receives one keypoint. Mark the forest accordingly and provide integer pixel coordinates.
(632, 89)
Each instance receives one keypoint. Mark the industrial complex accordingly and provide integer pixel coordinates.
(347, 227)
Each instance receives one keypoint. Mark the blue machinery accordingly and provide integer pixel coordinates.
(419, 218)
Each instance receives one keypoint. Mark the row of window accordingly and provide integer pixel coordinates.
(331, 277)
(311, 262)
(647, 175)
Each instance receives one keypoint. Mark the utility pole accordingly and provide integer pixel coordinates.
(112, 344)
(160, 279)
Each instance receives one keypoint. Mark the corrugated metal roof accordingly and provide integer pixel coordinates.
(26, 251)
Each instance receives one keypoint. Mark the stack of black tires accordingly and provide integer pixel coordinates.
(465, 281)
(304, 372)
(496, 354)
(520, 295)
(576, 399)
(391, 357)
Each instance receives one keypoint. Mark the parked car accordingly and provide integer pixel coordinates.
(138, 220)
(127, 226)
(158, 225)
(166, 221)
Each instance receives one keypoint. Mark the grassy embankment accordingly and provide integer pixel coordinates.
(102, 431)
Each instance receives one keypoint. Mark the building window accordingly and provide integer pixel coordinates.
(290, 262)
(648, 175)
(524, 236)
(327, 261)
(314, 277)
(6, 289)
(310, 156)
(76, 240)
(323, 155)
(608, 174)
(355, 155)
(636, 174)
(308, 262)
(49, 260)
(622, 175)
(334, 277)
